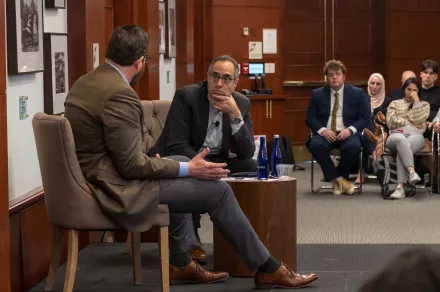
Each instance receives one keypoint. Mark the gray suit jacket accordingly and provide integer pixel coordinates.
(107, 122)
(187, 124)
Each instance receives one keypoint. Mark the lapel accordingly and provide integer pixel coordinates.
(345, 106)
(226, 130)
(203, 105)
(327, 100)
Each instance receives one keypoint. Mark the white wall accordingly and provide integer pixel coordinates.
(24, 170)
(167, 89)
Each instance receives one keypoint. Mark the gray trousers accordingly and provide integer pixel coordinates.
(187, 195)
(406, 147)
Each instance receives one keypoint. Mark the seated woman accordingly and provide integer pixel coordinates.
(376, 91)
(406, 119)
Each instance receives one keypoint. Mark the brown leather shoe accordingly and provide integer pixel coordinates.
(195, 273)
(199, 255)
(284, 277)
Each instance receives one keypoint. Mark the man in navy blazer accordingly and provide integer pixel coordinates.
(337, 115)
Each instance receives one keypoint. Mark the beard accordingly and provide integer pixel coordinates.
(137, 76)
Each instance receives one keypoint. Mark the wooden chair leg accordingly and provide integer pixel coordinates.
(164, 259)
(127, 248)
(72, 260)
(136, 252)
(57, 242)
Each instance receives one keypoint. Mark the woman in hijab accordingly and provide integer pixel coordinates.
(376, 91)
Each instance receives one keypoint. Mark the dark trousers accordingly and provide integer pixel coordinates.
(187, 195)
(234, 165)
(350, 149)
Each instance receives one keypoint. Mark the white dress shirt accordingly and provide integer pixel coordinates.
(339, 120)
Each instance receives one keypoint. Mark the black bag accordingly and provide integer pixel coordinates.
(286, 152)
(386, 172)
(385, 168)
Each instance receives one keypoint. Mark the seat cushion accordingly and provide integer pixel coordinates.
(162, 216)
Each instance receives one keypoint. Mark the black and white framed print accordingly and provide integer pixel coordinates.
(57, 4)
(162, 27)
(25, 36)
(170, 43)
(56, 79)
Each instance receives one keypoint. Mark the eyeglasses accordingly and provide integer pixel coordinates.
(226, 79)
(146, 59)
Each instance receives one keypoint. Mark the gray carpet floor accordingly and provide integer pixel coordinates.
(342, 238)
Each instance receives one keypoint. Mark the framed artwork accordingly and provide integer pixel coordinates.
(95, 55)
(57, 4)
(170, 35)
(56, 79)
(25, 36)
(162, 27)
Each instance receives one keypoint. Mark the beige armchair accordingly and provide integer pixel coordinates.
(69, 203)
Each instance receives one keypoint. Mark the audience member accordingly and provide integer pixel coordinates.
(396, 94)
(376, 91)
(106, 116)
(406, 120)
(415, 270)
(337, 114)
(211, 114)
(430, 93)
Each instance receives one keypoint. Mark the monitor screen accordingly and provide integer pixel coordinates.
(256, 68)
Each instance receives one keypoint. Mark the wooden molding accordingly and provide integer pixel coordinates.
(27, 200)
(319, 83)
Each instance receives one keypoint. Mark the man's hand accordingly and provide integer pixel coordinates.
(344, 134)
(436, 127)
(201, 169)
(225, 104)
(158, 156)
(329, 135)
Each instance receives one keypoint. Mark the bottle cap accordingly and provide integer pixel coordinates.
(276, 136)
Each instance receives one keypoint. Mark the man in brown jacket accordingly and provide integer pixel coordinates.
(106, 118)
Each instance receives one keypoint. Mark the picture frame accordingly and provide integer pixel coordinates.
(56, 75)
(24, 22)
(162, 27)
(56, 4)
(170, 32)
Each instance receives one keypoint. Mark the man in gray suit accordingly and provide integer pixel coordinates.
(211, 114)
(107, 123)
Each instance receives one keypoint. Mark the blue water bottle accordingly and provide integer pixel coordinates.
(276, 155)
(262, 161)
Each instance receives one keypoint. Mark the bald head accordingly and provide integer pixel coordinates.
(407, 74)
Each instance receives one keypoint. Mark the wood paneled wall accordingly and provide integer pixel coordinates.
(4, 197)
(321, 30)
(185, 43)
(144, 13)
(88, 22)
(222, 33)
(412, 35)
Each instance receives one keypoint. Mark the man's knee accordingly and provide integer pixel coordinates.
(179, 158)
(318, 144)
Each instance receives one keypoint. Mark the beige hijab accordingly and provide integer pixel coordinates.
(377, 100)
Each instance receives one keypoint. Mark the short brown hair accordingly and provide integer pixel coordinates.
(127, 44)
(426, 64)
(334, 65)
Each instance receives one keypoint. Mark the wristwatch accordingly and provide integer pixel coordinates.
(236, 121)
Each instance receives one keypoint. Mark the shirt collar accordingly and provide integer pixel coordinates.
(340, 90)
(119, 71)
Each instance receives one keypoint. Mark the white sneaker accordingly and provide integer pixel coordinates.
(414, 178)
(399, 193)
